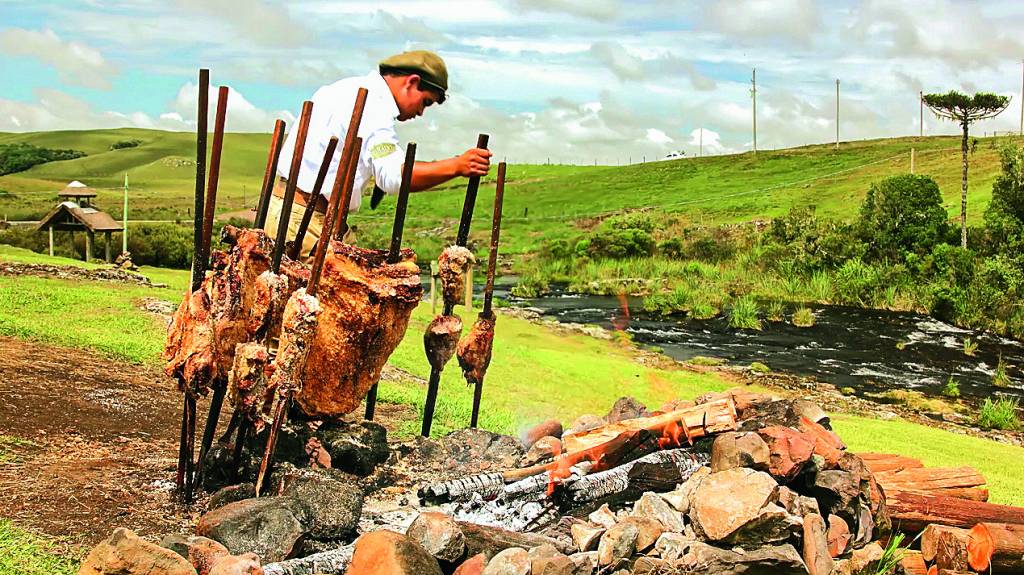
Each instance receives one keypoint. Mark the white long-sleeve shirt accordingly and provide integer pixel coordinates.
(380, 159)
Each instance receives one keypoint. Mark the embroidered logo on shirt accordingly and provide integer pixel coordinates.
(381, 150)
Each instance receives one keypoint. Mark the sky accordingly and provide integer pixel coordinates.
(566, 81)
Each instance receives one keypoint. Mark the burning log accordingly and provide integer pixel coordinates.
(617, 480)
(996, 547)
(486, 484)
(333, 561)
(912, 512)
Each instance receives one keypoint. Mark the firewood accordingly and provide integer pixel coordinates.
(486, 484)
(998, 546)
(879, 462)
(690, 423)
(951, 551)
(950, 481)
(913, 563)
(625, 447)
(912, 512)
(491, 540)
(930, 539)
(332, 561)
(613, 481)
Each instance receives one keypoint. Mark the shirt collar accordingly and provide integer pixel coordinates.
(379, 89)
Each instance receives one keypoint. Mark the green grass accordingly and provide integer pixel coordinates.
(998, 462)
(7, 445)
(803, 317)
(743, 314)
(999, 414)
(22, 553)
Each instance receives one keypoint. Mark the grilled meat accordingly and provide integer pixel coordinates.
(297, 328)
(247, 385)
(474, 350)
(453, 263)
(189, 350)
(440, 339)
(365, 308)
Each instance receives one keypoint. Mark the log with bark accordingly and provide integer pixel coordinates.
(491, 540)
(951, 551)
(913, 563)
(912, 512)
(962, 482)
(930, 539)
(879, 462)
(996, 547)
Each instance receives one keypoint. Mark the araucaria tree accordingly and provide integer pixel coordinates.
(965, 109)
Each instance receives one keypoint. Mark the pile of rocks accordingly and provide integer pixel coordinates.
(780, 495)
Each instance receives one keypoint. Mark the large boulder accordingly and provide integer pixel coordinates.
(789, 450)
(511, 561)
(439, 535)
(815, 546)
(626, 408)
(245, 564)
(733, 449)
(201, 552)
(726, 501)
(772, 524)
(271, 527)
(356, 448)
(617, 544)
(653, 506)
(124, 553)
(335, 503)
(388, 553)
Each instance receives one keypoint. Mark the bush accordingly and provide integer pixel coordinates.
(122, 144)
(743, 314)
(999, 414)
(856, 282)
(803, 317)
(20, 157)
(952, 388)
(618, 244)
(630, 221)
(903, 214)
(1004, 217)
(671, 248)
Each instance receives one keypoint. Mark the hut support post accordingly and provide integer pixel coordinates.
(89, 238)
(51, 240)
(106, 246)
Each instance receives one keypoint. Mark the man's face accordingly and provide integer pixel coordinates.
(413, 98)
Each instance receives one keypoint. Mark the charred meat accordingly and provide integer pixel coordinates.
(247, 384)
(297, 328)
(474, 350)
(189, 350)
(440, 339)
(453, 264)
(365, 308)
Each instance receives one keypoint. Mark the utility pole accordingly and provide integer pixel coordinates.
(837, 113)
(702, 142)
(124, 217)
(753, 94)
(920, 122)
(1022, 99)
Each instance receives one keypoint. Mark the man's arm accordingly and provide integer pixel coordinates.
(474, 162)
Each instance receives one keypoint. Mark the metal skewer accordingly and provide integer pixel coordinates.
(293, 182)
(270, 175)
(314, 197)
(492, 264)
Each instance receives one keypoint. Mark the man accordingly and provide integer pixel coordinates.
(401, 89)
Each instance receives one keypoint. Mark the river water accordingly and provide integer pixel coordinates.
(848, 347)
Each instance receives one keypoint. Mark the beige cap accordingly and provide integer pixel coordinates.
(428, 65)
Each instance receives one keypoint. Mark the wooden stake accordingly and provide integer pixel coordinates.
(293, 180)
(214, 179)
(270, 175)
(314, 198)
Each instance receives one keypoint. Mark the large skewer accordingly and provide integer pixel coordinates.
(293, 182)
(219, 385)
(313, 199)
(270, 175)
(394, 253)
(188, 409)
(492, 264)
(460, 240)
(346, 165)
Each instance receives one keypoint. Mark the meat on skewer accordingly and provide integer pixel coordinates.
(189, 350)
(440, 339)
(248, 383)
(453, 265)
(474, 350)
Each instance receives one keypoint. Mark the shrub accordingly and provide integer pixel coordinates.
(122, 144)
(758, 367)
(951, 389)
(671, 248)
(630, 221)
(970, 347)
(1004, 216)
(803, 317)
(743, 314)
(776, 311)
(703, 309)
(619, 244)
(999, 414)
(856, 282)
(1000, 377)
(531, 285)
(20, 157)
(903, 213)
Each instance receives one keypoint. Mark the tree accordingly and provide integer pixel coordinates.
(1004, 217)
(965, 109)
(903, 214)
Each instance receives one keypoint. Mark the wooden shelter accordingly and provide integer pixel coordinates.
(76, 213)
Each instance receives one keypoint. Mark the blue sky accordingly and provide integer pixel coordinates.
(577, 80)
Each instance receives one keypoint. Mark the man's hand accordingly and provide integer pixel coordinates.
(474, 162)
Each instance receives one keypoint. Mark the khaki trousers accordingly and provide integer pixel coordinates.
(316, 224)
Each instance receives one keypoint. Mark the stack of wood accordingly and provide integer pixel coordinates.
(959, 530)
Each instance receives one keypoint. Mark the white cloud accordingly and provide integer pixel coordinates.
(708, 142)
(658, 137)
(76, 63)
(752, 20)
(602, 10)
(624, 65)
(242, 115)
(257, 20)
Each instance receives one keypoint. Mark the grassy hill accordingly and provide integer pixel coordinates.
(540, 200)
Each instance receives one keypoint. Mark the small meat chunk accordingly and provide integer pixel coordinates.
(453, 264)
(474, 350)
(440, 339)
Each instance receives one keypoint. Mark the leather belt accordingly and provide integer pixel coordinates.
(302, 198)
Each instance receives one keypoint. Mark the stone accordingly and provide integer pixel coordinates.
(485, 450)
(789, 450)
(842, 567)
(246, 564)
(648, 531)
(438, 534)
(685, 490)
(626, 408)
(726, 501)
(545, 448)
(388, 553)
(838, 536)
(812, 412)
(586, 561)
(356, 448)
(270, 527)
(584, 423)
(549, 428)
(677, 500)
(232, 493)
(603, 516)
(652, 506)
(124, 553)
(542, 553)
(511, 561)
(837, 492)
(672, 546)
(734, 449)
(472, 566)
(586, 536)
(617, 544)
(335, 502)
(773, 524)
(866, 558)
(648, 565)
(201, 552)
(826, 443)
(767, 560)
(815, 546)
(558, 565)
